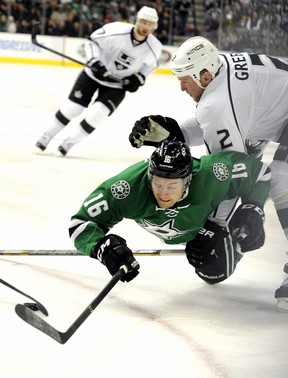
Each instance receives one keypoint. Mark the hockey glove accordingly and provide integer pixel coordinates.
(112, 251)
(246, 227)
(255, 148)
(98, 69)
(152, 130)
(133, 82)
(200, 251)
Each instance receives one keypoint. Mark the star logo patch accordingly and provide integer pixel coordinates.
(163, 231)
(120, 189)
(220, 171)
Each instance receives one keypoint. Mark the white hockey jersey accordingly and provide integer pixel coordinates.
(113, 45)
(248, 99)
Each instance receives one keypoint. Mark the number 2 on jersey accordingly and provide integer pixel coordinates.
(224, 141)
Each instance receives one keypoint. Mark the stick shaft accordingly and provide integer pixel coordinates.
(54, 252)
(36, 43)
(91, 307)
(34, 33)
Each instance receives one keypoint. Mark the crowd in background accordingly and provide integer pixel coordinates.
(250, 25)
(79, 18)
(253, 25)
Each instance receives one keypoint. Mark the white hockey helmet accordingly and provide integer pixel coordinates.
(148, 14)
(195, 55)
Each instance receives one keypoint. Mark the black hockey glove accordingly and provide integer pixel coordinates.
(152, 130)
(255, 148)
(112, 251)
(98, 69)
(200, 251)
(246, 227)
(133, 82)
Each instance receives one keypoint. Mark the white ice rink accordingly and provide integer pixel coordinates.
(165, 323)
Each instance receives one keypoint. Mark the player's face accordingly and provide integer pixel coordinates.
(142, 29)
(189, 86)
(167, 191)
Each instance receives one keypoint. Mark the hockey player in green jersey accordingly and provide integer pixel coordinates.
(172, 195)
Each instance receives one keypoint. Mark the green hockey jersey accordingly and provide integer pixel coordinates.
(215, 178)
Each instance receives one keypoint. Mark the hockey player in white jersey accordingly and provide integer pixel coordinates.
(242, 104)
(121, 56)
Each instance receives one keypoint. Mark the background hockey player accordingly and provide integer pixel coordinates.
(241, 105)
(121, 56)
(172, 196)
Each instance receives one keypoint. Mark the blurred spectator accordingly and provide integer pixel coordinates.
(3, 22)
(19, 12)
(124, 12)
(11, 25)
(54, 28)
(88, 29)
(163, 26)
(72, 24)
(60, 13)
(254, 21)
(183, 8)
(212, 22)
(23, 27)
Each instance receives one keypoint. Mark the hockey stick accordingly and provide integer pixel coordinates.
(34, 33)
(62, 337)
(52, 252)
(33, 306)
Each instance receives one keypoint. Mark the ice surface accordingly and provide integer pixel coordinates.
(166, 322)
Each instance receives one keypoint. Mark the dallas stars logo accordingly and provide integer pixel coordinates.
(220, 171)
(120, 189)
(163, 231)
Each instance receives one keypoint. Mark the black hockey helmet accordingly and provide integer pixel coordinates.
(171, 160)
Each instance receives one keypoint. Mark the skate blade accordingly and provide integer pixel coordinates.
(38, 151)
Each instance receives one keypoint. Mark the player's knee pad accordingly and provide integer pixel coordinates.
(62, 120)
(71, 110)
(281, 153)
(96, 113)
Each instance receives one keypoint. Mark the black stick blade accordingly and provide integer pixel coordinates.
(35, 321)
(34, 32)
(30, 317)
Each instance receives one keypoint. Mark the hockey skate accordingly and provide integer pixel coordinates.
(281, 294)
(43, 142)
(66, 145)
